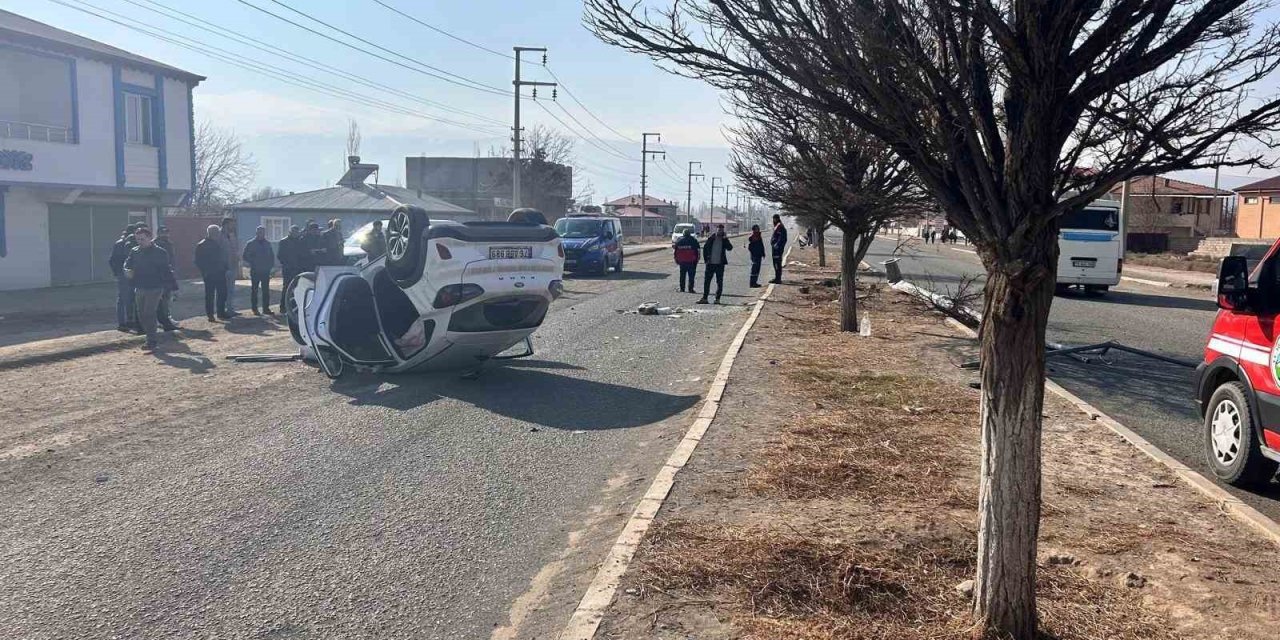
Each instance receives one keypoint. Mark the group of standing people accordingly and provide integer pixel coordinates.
(713, 252)
(947, 234)
(146, 280)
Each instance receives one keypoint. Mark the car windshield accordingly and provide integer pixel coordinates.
(573, 228)
(1093, 219)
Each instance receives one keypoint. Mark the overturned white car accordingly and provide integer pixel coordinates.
(446, 295)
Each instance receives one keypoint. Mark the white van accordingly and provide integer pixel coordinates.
(1090, 249)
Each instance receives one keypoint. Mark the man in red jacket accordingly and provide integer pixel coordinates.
(686, 254)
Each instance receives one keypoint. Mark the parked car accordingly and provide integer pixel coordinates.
(592, 243)
(1237, 385)
(679, 230)
(351, 249)
(446, 295)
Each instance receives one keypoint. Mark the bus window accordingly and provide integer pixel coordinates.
(1094, 219)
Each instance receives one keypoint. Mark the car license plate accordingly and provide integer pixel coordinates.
(1088, 264)
(510, 253)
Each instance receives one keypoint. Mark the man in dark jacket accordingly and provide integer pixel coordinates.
(165, 313)
(312, 248)
(331, 240)
(715, 253)
(261, 259)
(148, 267)
(211, 260)
(375, 244)
(778, 244)
(686, 254)
(231, 246)
(755, 247)
(126, 315)
(291, 259)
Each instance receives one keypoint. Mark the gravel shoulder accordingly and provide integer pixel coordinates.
(834, 496)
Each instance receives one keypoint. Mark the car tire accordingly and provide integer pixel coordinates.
(604, 265)
(618, 268)
(406, 246)
(1231, 440)
(291, 312)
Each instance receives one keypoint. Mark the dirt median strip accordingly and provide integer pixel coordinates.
(836, 493)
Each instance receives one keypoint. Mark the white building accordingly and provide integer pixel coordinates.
(91, 138)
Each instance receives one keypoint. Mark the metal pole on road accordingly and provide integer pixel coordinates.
(688, 202)
(516, 130)
(644, 174)
(713, 198)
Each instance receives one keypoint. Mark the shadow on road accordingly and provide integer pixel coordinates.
(1149, 300)
(180, 356)
(625, 275)
(531, 395)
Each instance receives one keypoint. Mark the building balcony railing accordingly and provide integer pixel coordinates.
(32, 131)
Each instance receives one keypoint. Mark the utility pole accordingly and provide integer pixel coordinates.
(688, 202)
(644, 173)
(516, 130)
(713, 197)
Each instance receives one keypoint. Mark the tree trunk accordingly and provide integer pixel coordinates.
(849, 259)
(1018, 296)
(822, 246)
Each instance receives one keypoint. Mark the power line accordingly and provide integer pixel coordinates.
(271, 71)
(210, 27)
(446, 33)
(344, 43)
(584, 107)
(572, 131)
(616, 152)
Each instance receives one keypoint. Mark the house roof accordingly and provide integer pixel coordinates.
(365, 197)
(1162, 186)
(38, 34)
(1266, 184)
(634, 200)
(634, 212)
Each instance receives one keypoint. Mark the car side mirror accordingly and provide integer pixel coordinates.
(1233, 282)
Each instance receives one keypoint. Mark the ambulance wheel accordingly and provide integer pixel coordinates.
(406, 248)
(291, 306)
(1231, 441)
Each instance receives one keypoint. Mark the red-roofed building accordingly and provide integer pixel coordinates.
(1165, 214)
(1258, 209)
(654, 205)
(654, 224)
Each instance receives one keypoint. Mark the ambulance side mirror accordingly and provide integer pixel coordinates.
(1233, 282)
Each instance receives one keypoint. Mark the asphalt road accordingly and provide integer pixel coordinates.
(180, 495)
(1152, 397)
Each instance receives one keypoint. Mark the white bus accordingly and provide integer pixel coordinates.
(1090, 248)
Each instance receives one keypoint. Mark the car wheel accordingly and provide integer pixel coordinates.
(406, 249)
(291, 311)
(604, 265)
(618, 268)
(1231, 441)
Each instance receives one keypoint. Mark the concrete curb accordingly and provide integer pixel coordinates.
(586, 619)
(1150, 283)
(1228, 503)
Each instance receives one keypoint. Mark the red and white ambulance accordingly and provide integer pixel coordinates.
(1238, 384)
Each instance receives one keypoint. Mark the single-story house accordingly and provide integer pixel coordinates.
(1165, 214)
(630, 217)
(1258, 209)
(352, 200)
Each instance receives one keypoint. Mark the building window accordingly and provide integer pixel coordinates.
(137, 119)
(36, 103)
(1176, 207)
(1273, 199)
(1251, 199)
(277, 227)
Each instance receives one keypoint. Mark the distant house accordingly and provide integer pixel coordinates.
(92, 138)
(1258, 209)
(483, 185)
(1164, 214)
(352, 200)
(653, 206)
(654, 224)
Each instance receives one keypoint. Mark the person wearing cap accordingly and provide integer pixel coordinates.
(686, 254)
(261, 260)
(126, 314)
(311, 248)
(778, 245)
(148, 267)
(231, 246)
(164, 313)
(755, 247)
(331, 240)
(289, 252)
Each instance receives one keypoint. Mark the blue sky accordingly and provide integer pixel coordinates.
(298, 136)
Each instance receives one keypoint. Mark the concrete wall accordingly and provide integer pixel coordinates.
(26, 263)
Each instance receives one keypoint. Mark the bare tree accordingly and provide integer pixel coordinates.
(824, 171)
(1012, 113)
(547, 168)
(224, 170)
(353, 137)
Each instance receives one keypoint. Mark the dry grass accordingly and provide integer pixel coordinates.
(804, 585)
(1173, 261)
